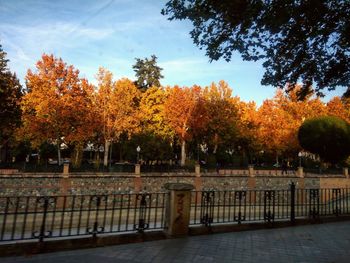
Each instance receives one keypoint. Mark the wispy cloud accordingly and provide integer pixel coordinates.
(25, 43)
(56, 32)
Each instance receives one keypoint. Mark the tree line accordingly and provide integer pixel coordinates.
(59, 113)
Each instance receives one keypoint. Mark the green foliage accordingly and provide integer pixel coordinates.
(147, 72)
(306, 40)
(327, 136)
(153, 147)
(10, 94)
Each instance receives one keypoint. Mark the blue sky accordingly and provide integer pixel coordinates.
(112, 33)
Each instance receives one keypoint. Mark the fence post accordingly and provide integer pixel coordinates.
(346, 172)
(198, 170)
(178, 209)
(251, 171)
(292, 202)
(65, 169)
(137, 169)
(301, 172)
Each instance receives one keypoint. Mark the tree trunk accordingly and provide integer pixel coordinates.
(59, 161)
(183, 153)
(97, 159)
(106, 153)
(215, 143)
(77, 156)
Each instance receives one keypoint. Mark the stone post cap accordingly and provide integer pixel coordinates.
(178, 186)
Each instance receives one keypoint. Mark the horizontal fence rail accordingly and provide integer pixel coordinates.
(31, 217)
(220, 207)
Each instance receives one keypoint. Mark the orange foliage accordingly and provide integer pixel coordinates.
(339, 108)
(222, 114)
(57, 103)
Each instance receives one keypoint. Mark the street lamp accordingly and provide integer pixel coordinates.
(300, 154)
(138, 149)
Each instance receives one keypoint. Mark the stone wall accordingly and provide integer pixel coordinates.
(58, 184)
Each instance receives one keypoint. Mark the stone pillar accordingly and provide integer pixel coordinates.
(300, 172)
(137, 183)
(251, 185)
(137, 169)
(178, 209)
(197, 170)
(65, 189)
(346, 172)
(65, 169)
(251, 171)
(198, 188)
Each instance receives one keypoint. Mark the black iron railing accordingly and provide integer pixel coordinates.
(31, 217)
(246, 206)
(43, 217)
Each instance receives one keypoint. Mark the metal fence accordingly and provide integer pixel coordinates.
(31, 217)
(43, 217)
(220, 207)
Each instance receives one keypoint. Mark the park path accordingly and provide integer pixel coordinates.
(311, 243)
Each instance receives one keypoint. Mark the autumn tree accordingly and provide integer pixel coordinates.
(57, 106)
(275, 128)
(222, 115)
(297, 40)
(180, 111)
(103, 109)
(247, 126)
(117, 109)
(339, 108)
(152, 110)
(10, 94)
(147, 73)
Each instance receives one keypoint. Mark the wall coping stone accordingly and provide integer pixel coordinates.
(178, 186)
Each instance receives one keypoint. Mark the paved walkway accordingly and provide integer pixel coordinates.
(313, 243)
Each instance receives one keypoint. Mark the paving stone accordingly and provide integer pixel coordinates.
(313, 243)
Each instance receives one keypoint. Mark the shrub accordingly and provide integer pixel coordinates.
(327, 136)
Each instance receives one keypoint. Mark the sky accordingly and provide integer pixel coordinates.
(112, 33)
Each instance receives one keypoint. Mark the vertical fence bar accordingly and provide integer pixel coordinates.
(240, 196)
(336, 201)
(63, 214)
(207, 207)
(105, 212)
(112, 216)
(292, 202)
(25, 217)
(120, 211)
(314, 200)
(269, 202)
(80, 213)
(45, 200)
(54, 212)
(142, 212)
(34, 216)
(14, 224)
(4, 218)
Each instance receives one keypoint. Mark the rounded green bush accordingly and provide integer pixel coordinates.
(327, 136)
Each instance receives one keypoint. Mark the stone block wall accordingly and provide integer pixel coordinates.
(58, 184)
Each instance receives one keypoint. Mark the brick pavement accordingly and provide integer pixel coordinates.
(311, 243)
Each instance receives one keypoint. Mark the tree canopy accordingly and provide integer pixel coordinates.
(147, 72)
(327, 136)
(10, 94)
(306, 41)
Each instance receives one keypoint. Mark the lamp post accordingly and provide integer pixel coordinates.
(138, 149)
(300, 154)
